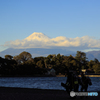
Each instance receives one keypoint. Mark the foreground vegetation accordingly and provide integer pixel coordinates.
(24, 65)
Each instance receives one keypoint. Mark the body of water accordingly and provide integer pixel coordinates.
(43, 82)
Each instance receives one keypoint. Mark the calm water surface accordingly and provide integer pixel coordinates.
(43, 82)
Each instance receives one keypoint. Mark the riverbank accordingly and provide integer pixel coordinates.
(91, 75)
(47, 76)
(7, 93)
(80, 75)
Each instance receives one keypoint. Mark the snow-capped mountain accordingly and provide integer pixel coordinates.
(36, 36)
(38, 44)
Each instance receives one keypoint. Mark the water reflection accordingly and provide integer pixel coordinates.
(43, 82)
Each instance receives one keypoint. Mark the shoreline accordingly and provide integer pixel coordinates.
(79, 75)
(91, 75)
(50, 76)
(7, 93)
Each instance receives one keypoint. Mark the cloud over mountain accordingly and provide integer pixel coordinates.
(39, 40)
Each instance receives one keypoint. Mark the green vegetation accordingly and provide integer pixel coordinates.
(24, 65)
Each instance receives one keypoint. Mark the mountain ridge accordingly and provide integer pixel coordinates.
(36, 52)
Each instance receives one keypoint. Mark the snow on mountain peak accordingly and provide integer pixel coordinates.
(36, 36)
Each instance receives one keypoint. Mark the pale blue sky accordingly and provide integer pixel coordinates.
(68, 18)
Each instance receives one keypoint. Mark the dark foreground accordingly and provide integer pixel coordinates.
(37, 94)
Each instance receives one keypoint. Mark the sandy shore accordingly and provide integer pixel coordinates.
(37, 94)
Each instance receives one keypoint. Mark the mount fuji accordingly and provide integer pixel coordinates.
(38, 44)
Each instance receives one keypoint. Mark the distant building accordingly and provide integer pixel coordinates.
(84, 71)
(87, 71)
(51, 72)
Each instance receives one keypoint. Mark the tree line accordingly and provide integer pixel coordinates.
(24, 65)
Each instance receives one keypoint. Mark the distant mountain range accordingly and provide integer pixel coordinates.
(91, 55)
(36, 52)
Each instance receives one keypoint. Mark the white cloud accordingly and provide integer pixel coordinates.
(39, 40)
